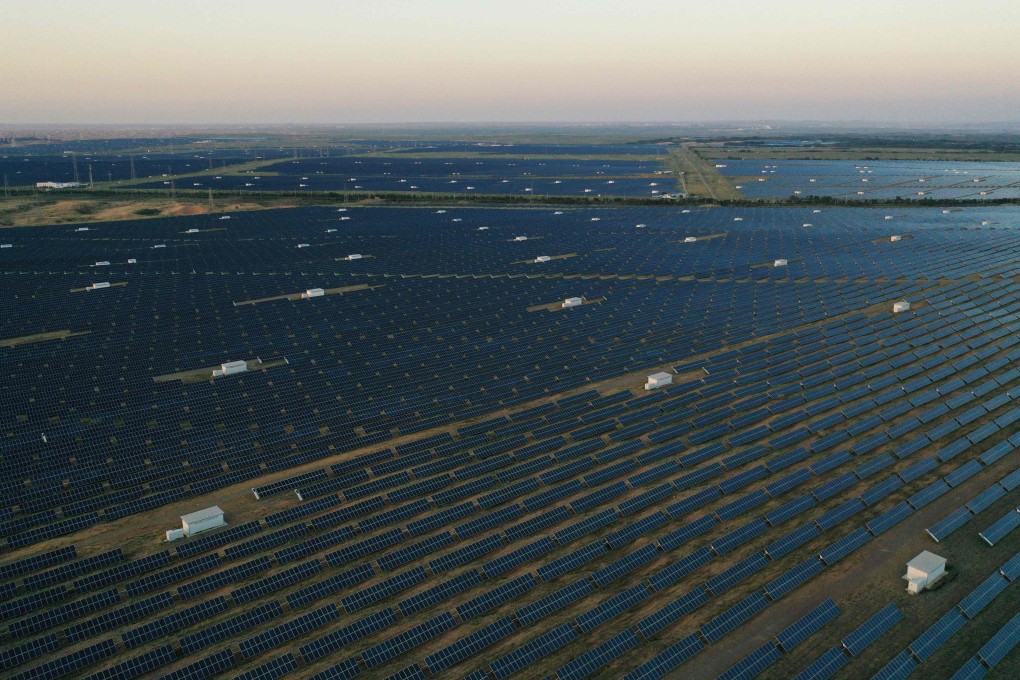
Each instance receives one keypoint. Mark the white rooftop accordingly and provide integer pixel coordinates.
(200, 515)
(927, 562)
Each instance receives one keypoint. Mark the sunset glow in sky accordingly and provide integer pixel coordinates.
(380, 61)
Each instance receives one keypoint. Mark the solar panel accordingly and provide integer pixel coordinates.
(681, 568)
(902, 665)
(972, 670)
(727, 579)
(824, 666)
(346, 635)
(950, 523)
(598, 656)
(118, 617)
(872, 629)
(33, 649)
(65, 612)
(979, 598)
(572, 560)
(668, 659)
(378, 591)
(532, 651)
(554, 602)
(844, 546)
(409, 639)
(174, 622)
(794, 578)
(714, 630)
(230, 627)
(496, 596)
(348, 553)
(440, 592)
(519, 556)
(937, 634)
(890, 518)
(277, 635)
(66, 571)
(1001, 644)
(470, 644)
(36, 562)
(839, 514)
(739, 536)
(69, 663)
(330, 586)
(1001, 527)
(754, 663)
(790, 509)
(222, 578)
(793, 635)
(414, 551)
(348, 668)
(210, 665)
(614, 606)
(271, 670)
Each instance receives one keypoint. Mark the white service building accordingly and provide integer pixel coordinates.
(923, 571)
(202, 520)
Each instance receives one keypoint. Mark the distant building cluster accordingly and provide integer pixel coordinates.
(58, 185)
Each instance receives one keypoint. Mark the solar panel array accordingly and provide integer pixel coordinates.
(581, 507)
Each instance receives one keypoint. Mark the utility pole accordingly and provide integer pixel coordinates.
(91, 184)
(74, 164)
(133, 176)
(7, 188)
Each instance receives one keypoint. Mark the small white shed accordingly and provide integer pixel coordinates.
(573, 302)
(520, 238)
(542, 258)
(690, 239)
(895, 237)
(202, 520)
(923, 571)
(355, 256)
(656, 380)
(780, 263)
(99, 284)
(230, 368)
(901, 306)
(314, 292)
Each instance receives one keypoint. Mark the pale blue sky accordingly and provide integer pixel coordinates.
(365, 61)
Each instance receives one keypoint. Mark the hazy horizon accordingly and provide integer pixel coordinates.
(449, 61)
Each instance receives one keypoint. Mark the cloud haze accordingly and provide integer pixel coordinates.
(387, 61)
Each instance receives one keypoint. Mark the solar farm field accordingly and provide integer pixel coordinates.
(430, 466)
(863, 180)
(644, 175)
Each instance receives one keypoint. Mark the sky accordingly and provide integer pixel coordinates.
(399, 61)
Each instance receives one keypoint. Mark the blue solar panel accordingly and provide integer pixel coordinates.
(496, 596)
(972, 670)
(754, 663)
(979, 598)
(902, 665)
(794, 578)
(872, 629)
(824, 666)
(1001, 527)
(937, 634)
(681, 568)
(614, 606)
(793, 635)
(1001, 644)
(409, 639)
(950, 523)
(598, 656)
(554, 602)
(715, 629)
(532, 651)
(668, 659)
(471, 644)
